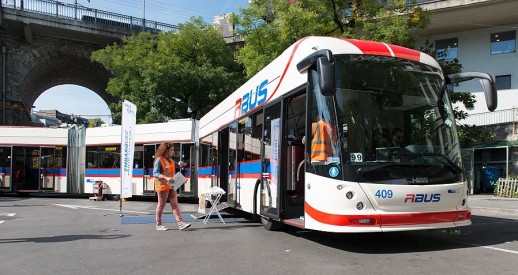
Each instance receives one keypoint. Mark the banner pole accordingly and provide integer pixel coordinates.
(127, 150)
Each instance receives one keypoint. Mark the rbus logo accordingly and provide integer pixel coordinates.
(422, 198)
(251, 99)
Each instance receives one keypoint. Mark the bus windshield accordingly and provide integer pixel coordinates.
(390, 124)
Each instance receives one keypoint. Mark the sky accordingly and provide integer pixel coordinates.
(77, 100)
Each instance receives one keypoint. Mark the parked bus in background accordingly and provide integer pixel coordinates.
(33, 159)
(71, 161)
(306, 141)
(103, 156)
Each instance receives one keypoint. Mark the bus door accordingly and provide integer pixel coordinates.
(47, 176)
(26, 168)
(223, 141)
(292, 169)
(214, 161)
(269, 199)
(232, 198)
(147, 169)
(5, 168)
(187, 154)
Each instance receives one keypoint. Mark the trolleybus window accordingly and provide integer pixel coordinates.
(399, 94)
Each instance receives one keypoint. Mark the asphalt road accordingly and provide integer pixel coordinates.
(41, 235)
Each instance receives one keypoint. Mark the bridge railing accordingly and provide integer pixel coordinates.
(81, 13)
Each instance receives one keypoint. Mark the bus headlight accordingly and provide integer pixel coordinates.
(339, 187)
(359, 206)
(349, 195)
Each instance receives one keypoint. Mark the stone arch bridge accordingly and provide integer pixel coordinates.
(46, 43)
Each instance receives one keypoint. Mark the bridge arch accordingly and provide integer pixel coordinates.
(67, 65)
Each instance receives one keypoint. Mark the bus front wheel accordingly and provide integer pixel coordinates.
(270, 224)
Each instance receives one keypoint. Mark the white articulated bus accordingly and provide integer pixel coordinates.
(76, 160)
(260, 143)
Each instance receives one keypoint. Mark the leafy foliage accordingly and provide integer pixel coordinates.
(270, 26)
(96, 122)
(171, 75)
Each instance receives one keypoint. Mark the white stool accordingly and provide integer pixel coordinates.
(213, 195)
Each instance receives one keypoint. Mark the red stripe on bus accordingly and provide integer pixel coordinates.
(286, 68)
(378, 48)
(370, 47)
(406, 53)
(387, 220)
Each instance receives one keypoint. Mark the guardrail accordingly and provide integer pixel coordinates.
(81, 13)
(490, 118)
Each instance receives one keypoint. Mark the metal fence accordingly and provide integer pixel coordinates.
(490, 118)
(81, 13)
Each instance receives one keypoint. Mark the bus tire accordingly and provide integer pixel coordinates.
(270, 224)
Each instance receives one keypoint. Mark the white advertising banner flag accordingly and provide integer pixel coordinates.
(129, 119)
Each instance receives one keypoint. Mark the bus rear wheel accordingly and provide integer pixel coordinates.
(271, 225)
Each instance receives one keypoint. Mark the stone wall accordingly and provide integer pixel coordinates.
(32, 68)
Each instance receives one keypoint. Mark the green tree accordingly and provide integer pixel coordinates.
(95, 122)
(171, 75)
(270, 26)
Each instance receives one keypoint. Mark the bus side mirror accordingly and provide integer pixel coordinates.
(488, 85)
(490, 94)
(326, 76)
(325, 63)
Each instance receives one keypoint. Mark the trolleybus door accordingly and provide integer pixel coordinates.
(272, 140)
(26, 168)
(232, 197)
(223, 141)
(147, 169)
(47, 168)
(5, 168)
(187, 157)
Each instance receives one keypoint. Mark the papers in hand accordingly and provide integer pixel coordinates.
(179, 180)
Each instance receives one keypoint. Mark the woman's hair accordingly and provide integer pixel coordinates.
(162, 150)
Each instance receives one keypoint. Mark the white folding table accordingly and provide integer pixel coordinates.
(213, 195)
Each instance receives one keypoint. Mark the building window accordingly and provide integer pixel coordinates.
(503, 42)
(446, 48)
(503, 82)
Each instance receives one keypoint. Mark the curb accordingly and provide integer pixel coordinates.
(485, 211)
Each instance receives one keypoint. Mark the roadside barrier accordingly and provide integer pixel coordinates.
(507, 188)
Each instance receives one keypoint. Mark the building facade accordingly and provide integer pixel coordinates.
(481, 34)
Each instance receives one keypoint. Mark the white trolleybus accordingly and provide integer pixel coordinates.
(87, 161)
(308, 140)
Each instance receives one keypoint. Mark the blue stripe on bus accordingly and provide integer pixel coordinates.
(249, 167)
(107, 172)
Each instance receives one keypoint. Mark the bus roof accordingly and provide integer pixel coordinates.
(281, 76)
(178, 130)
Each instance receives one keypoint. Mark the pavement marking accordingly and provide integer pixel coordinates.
(500, 249)
(490, 247)
(8, 214)
(71, 206)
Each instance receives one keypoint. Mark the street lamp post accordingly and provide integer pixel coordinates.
(144, 16)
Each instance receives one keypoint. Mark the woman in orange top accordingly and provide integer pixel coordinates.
(163, 171)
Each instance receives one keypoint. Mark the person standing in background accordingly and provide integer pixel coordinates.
(163, 172)
(397, 137)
